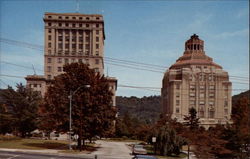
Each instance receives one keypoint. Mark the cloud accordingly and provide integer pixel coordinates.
(243, 12)
(243, 32)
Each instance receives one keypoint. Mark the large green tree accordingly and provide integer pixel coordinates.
(92, 110)
(19, 108)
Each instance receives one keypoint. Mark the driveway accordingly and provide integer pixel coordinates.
(112, 150)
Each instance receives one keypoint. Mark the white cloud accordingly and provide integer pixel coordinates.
(243, 12)
(243, 32)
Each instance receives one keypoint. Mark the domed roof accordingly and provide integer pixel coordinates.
(194, 54)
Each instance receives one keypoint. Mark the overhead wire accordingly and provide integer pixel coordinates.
(109, 59)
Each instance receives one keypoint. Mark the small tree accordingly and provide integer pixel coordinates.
(22, 107)
(192, 121)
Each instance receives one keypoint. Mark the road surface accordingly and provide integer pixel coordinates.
(112, 150)
(106, 150)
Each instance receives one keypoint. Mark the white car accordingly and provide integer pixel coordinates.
(138, 150)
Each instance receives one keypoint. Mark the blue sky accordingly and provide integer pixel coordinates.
(143, 31)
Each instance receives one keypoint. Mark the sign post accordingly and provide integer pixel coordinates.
(154, 142)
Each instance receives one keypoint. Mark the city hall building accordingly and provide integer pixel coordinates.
(68, 38)
(195, 81)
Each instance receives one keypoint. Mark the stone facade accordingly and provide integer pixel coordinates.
(68, 38)
(196, 81)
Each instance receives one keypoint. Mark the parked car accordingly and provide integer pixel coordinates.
(138, 150)
(144, 157)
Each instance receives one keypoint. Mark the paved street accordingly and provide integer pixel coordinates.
(29, 155)
(107, 150)
(112, 150)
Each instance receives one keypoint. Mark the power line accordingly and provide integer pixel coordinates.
(9, 63)
(40, 48)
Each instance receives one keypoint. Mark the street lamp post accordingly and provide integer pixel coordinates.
(70, 111)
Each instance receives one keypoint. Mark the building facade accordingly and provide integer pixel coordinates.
(68, 38)
(196, 81)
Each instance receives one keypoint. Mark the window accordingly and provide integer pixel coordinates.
(192, 95)
(225, 103)
(49, 52)
(97, 39)
(60, 24)
(49, 37)
(80, 25)
(211, 103)
(87, 46)
(87, 25)
(177, 86)
(226, 111)
(97, 32)
(49, 24)
(97, 25)
(177, 94)
(49, 77)
(49, 68)
(202, 102)
(49, 16)
(49, 44)
(96, 70)
(59, 69)
(60, 45)
(66, 24)
(87, 18)
(35, 85)
(73, 25)
(72, 60)
(49, 30)
(66, 61)
(80, 46)
(97, 18)
(177, 102)
(211, 114)
(97, 61)
(73, 17)
(87, 38)
(201, 114)
(60, 38)
(202, 87)
(191, 102)
(66, 17)
(177, 110)
(80, 39)
(202, 95)
(59, 60)
(211, 95)
(73, 46)
(87, 61)
(60, 17)
(97, 53)
(67, 46)
(49, 60)
(80, 18)
(211, 87)
(80, 60)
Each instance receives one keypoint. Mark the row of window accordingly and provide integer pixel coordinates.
(73, 17)
(74, 38)
(74, 25)
(80, 46)
(74, 31)
(73, 53)
(66, 60)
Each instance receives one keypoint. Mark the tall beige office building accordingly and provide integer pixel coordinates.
(196, 81)
(68, 38)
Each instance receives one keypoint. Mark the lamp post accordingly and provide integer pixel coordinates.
(70, 111)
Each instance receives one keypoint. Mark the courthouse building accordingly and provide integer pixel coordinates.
(196, 81)
(68, 38)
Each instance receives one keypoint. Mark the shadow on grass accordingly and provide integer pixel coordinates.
(48, 145)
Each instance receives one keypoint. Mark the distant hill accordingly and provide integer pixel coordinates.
(145, 109)
(148, 109)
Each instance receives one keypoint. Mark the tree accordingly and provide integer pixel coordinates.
(92, 111)
(192, 121)
(20, 108)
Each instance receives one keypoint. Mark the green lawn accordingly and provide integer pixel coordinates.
(34, 144)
